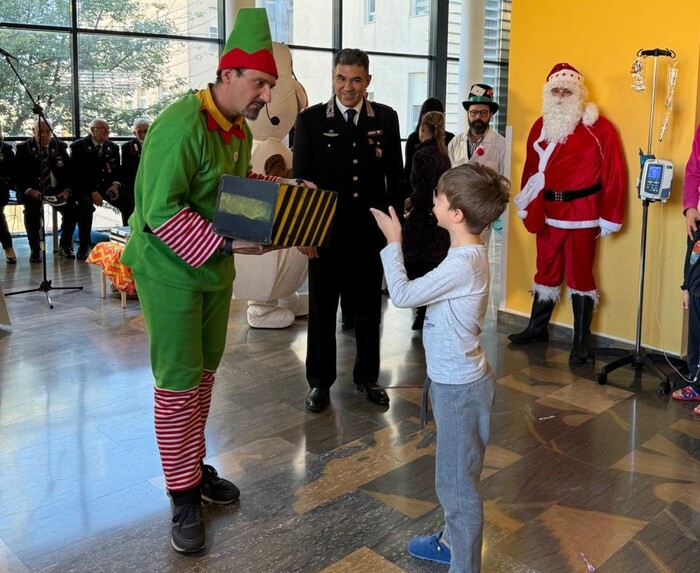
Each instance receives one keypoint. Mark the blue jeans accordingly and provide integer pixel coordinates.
(462, 415)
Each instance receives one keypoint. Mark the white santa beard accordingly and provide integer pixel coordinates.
(560, 116)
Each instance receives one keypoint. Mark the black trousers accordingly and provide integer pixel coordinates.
(694, 338)
(359, 270)
(125, 204)
(77, 211)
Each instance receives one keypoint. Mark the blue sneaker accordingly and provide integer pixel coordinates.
(430, 548)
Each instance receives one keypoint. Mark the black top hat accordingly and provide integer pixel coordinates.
(481, 93)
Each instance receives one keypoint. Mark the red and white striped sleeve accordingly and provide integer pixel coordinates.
(190, 235)
(253, 175)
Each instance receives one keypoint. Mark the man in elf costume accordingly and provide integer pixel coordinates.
(573, 190)
(183, 270)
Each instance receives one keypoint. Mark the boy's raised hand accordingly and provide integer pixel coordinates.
(388, 224)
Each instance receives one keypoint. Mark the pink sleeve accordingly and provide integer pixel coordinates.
(691, 184)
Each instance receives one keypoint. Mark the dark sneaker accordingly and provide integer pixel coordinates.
(216, 489)
(35, 257)
(187, 535)
(82, 255)
(66, 253)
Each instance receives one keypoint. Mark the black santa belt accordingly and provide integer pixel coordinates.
(566, 196)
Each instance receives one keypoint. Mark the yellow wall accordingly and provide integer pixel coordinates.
(601, 38)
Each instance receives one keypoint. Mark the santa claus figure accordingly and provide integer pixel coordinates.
(573, 191)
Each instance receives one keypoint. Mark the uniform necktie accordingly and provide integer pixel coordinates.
(351, 113)
(99, 150)
(45, 170)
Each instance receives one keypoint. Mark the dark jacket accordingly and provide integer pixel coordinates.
(7, 172)
(131, 157)
(28, 167)
(364, 167)
(92, 172)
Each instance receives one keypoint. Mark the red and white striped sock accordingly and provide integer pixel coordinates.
(179, 433)
(205, 389)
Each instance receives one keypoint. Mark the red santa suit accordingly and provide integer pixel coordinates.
(572, 192)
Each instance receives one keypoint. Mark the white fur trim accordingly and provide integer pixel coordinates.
(545, 293)
(590, 114)
(609, 225)
(559, 224)
(589, 293)
(522, 214)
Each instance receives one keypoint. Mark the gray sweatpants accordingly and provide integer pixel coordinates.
(462, 415)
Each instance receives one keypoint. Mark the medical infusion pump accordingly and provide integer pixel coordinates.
(656, 179)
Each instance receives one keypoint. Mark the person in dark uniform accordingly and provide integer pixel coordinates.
(43, 159)
(98, 171)
(131, 154)
(352, 146)
(7, 182)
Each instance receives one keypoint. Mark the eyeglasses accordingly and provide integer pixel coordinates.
(483, 113)
(98, 128)
(562, 92)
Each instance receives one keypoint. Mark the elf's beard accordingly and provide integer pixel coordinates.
(560, 116)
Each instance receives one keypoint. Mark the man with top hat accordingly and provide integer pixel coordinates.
(44, 175)
(352, 146)
(480, 143)
(573, 185)
(183, 270)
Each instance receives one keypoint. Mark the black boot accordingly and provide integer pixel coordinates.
(536, 331)
(583, 314)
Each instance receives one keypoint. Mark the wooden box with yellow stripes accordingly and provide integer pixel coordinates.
(274, 213)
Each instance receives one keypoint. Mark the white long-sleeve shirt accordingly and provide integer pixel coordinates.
(456, 294)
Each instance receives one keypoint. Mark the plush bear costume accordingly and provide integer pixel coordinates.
(270, 282)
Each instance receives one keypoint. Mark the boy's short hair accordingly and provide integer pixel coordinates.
(476, 190)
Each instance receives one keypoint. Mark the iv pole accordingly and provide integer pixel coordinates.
(639, 358)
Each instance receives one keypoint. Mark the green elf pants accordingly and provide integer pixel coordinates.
(187, 332)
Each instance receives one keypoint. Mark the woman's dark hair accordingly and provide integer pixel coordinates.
(431, 104)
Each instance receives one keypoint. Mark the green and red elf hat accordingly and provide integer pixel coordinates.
(250, 43)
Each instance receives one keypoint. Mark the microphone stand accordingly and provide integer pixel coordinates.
(45, 285)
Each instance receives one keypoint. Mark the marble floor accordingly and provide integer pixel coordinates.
(578, 477)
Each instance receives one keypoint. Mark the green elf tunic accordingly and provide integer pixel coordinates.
(184, 282)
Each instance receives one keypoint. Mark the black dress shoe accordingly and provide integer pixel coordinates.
(35, 257)
(318, 399)
(375, 393)
(82, 255)
(66, 253)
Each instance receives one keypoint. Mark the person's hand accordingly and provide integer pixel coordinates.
(243, 247)
(304, 182)
(64, 194)
(310, 252)
(388, 224)
(96, 198)
(34, 194)
(685, 299)
(114, 190)
(691, 221)
(407, 206)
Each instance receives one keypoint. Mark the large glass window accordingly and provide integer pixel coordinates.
(132, 64)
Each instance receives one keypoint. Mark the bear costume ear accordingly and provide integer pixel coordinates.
(274, 165)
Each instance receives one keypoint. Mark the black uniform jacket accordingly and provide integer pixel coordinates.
(28, 167)
(92, 172)
(364, 166)
(7, 172)
(131, 156)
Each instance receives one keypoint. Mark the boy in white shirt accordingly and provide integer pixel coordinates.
(461, 384)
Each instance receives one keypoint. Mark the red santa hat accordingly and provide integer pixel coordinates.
(563, 73)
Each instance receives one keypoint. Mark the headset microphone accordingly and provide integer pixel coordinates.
(274, 120)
